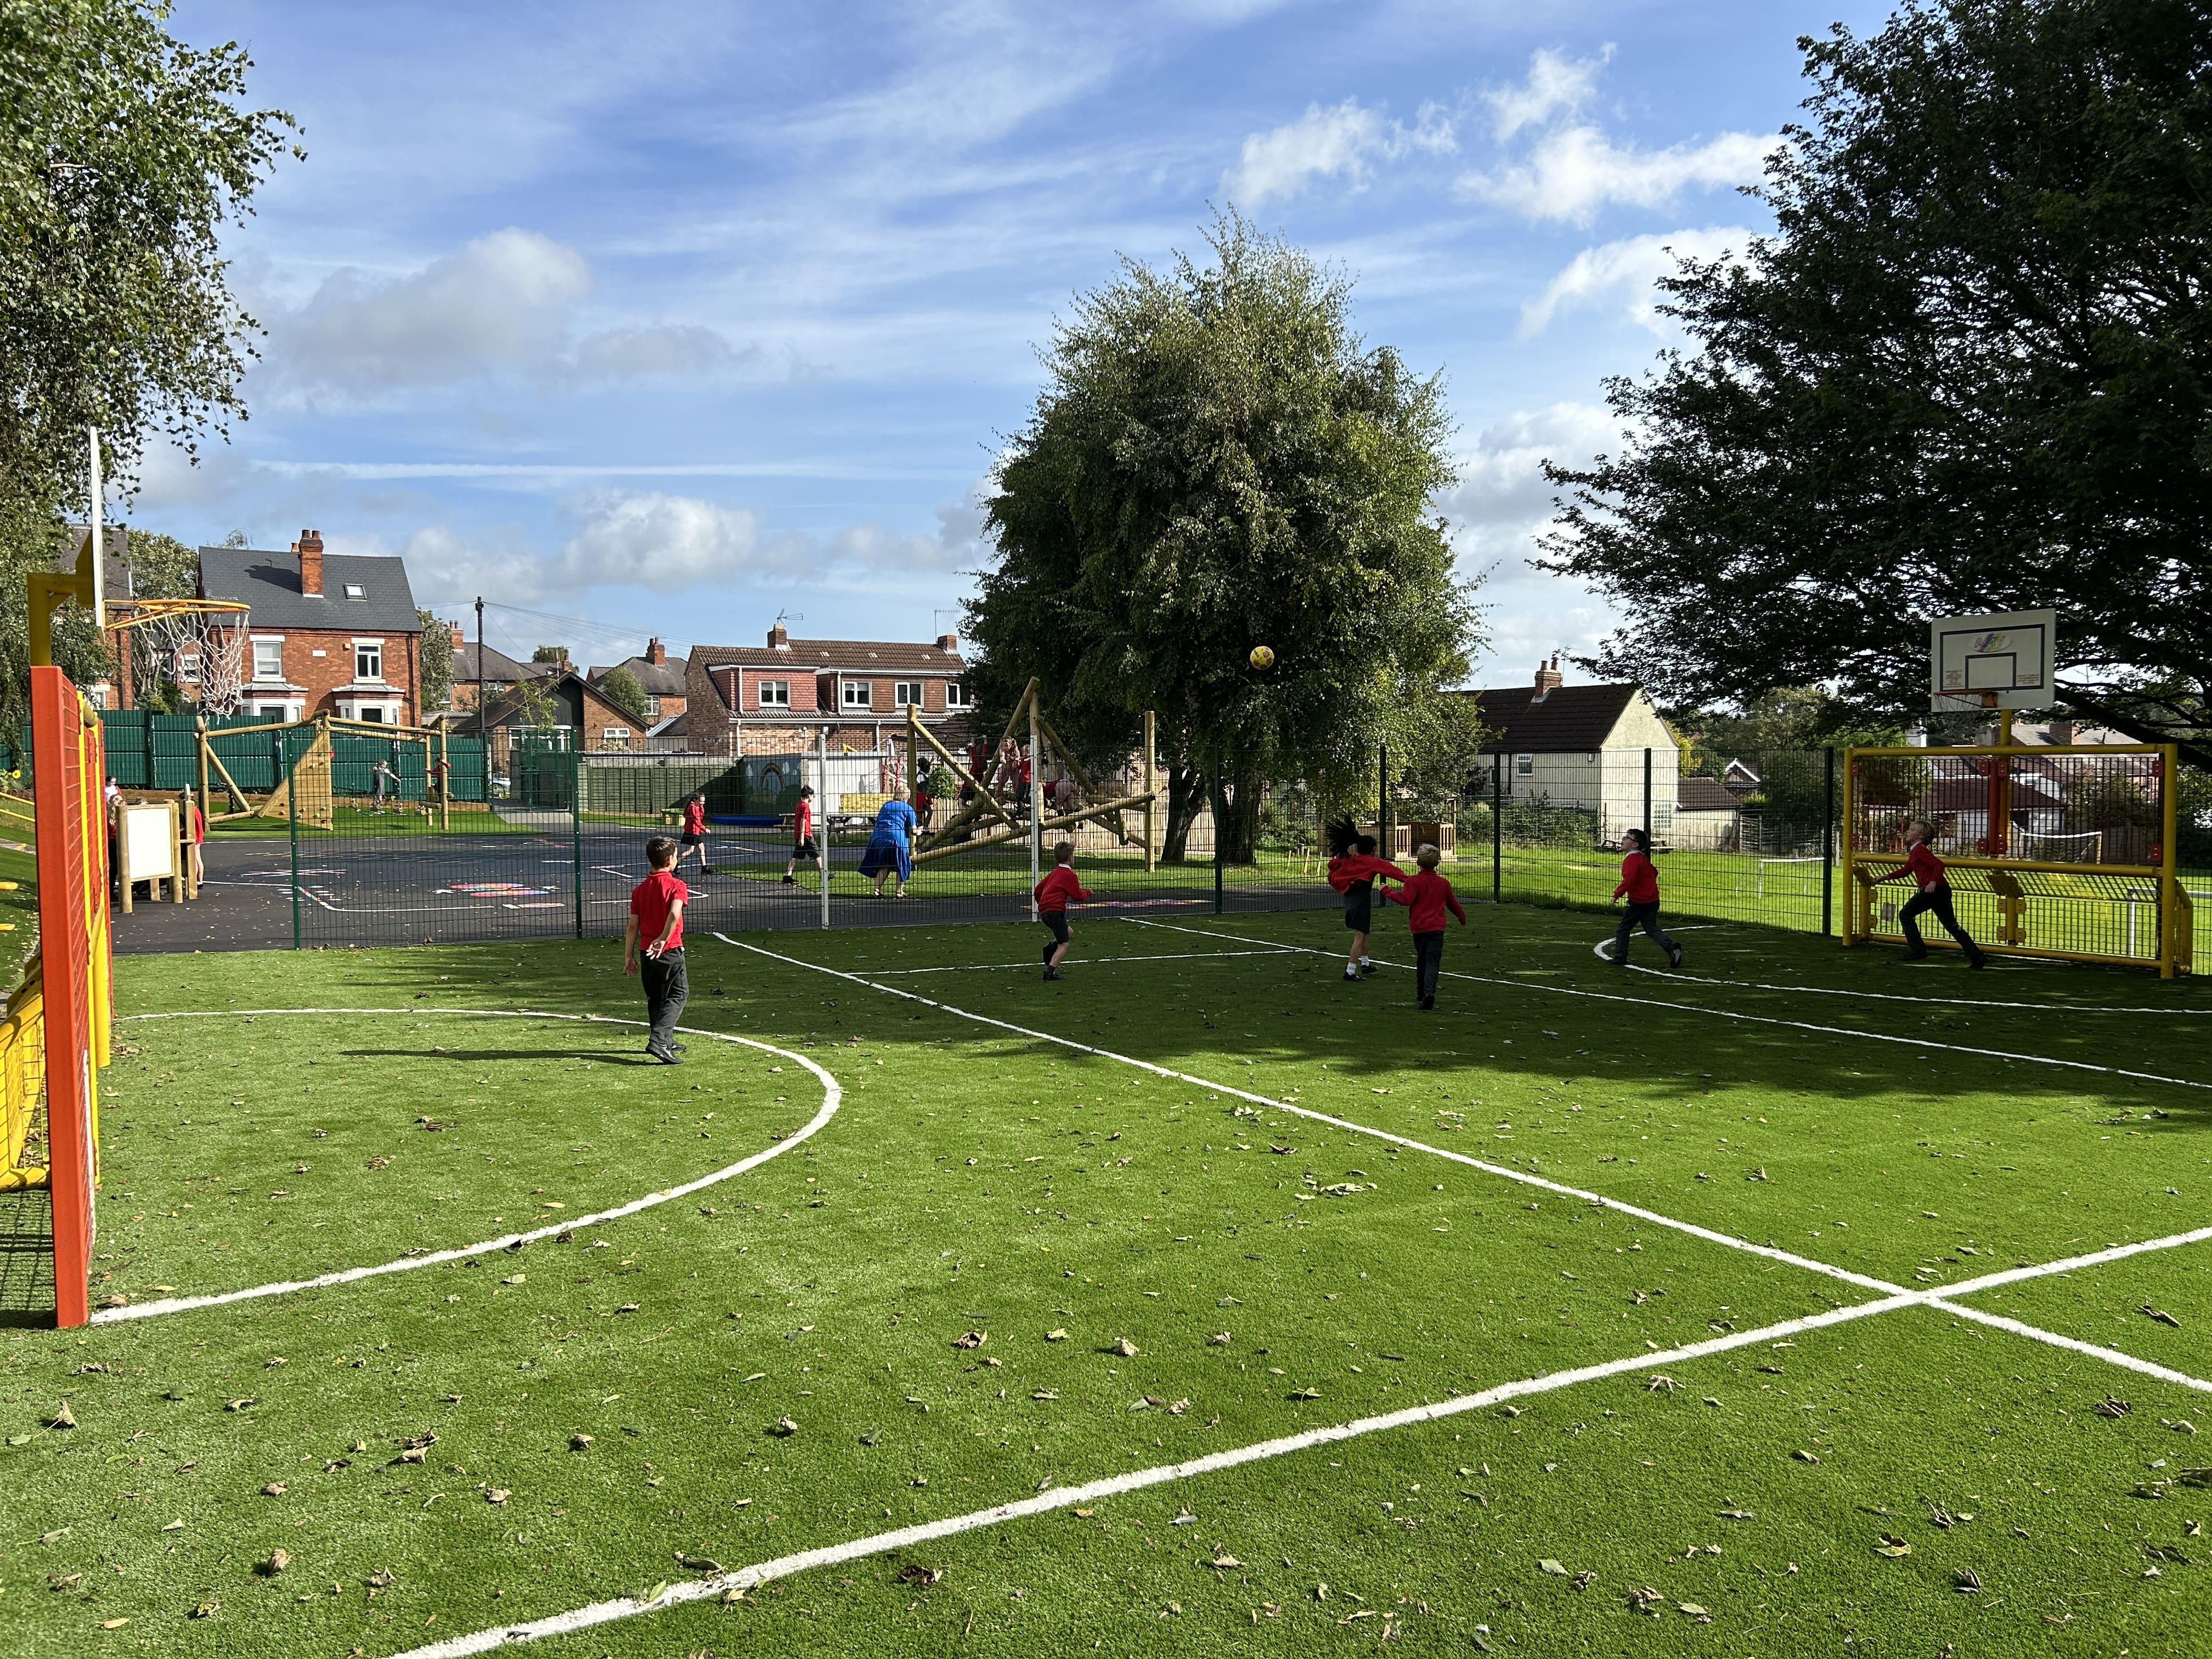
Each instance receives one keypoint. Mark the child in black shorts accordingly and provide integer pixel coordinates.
(1351, 871)
(1053, 894)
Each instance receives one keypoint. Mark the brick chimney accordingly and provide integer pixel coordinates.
(779, 639)
(460, 639)
(309, 547)
(656, 653)
(948, 643)
(1548, 679)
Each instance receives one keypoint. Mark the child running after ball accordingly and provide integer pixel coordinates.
(1352, 867)
(1639, 884)
(1933, 899)
(1052, 896)
(653, 948)
(1426, 896)
(803, 845)
(695, 829)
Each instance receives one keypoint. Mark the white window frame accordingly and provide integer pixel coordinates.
(360, 676)
(772, 694)
(1524, 766)
(856, 694)
(275, 675)
(614, 737)
(956, 695)
(353, 589)
(907, 694)
(651, 707)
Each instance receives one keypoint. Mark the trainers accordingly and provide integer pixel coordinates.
(1674, 957)
(1052, 973)
(1351, 973)
(1366, 969)
(791, 881)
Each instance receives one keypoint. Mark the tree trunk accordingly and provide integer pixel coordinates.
(1240, 821)
(1185, 797)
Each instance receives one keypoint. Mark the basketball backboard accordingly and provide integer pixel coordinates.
(1999, 661)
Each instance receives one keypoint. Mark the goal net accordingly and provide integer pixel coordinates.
(2088, 846)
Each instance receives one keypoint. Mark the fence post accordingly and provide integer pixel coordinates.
(1220, 760)
(292, 819)
(1647, 799)
(822, 816)
(1828, 850)
(1497, 827)
(576, 831)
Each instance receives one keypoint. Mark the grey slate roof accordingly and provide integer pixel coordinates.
(665, 679)
(269, 583)
(1573, 718)
(499, 668)
(1704, 795)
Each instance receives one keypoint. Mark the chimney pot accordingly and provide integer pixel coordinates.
(309, 547)
(1548, 679)
(779, 639)
(656, 653)
(460, 638)
(948, 643)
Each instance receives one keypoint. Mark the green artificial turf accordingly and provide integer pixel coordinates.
(978, 1180)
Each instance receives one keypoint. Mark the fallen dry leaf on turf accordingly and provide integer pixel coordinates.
(498, 1495)
(1055, 1335)
(382, 1578)
(512, 1279)
(1659, 1379)
(915, 1573)
(783, 1428)
(113, 1624)
(1739, 1514)
(2194, 1477)
(237, 1405)
(2109, 1406)
(1045, 1394)
(1224, 1562)
(1965, 1579)
(1889, 1544)
(1645, 1599)
(1805, 1456)
(1177, 1407)
(971, 1339)
(2160, 1315)
(1084, 1515)
(273, 1489)
(1305, 1393)
(1548, 1565)
(1219, 1339)
(62, 1418)
(578, 1442)
(273, 1563)
(174, 1526)
(626, 1307)
(696, 1563)
(1584, 1579)
(1126, 1348)
(1695, 1612)
(207, 1609)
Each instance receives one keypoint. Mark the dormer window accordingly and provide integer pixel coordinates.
(355, 590)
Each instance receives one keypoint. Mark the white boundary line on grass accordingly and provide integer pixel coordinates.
(1933, 1295)
(1598, 951)
(832, 1096)
(1729, 1013)
(1179, 956)
(704, 1589)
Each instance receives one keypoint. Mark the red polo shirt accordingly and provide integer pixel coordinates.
(650, 901)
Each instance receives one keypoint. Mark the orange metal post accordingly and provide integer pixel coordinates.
(68, 867)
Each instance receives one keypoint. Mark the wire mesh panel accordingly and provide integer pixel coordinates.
(2053, 852)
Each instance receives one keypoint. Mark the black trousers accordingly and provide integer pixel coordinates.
(1632, 917)
(1937, 902)
(666, 989)
(1428, 962)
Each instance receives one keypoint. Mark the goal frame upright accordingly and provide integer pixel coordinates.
(1866, 870)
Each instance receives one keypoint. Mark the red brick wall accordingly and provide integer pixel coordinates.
(322, 675)
(882, 693)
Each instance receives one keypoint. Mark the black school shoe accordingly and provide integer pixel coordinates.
(1052, 975)
(1428, 1004)
(1674, 957)
(665, 1056)
(791, 881)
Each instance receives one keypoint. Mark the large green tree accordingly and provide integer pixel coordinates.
(1218, 461)
(1970, 371)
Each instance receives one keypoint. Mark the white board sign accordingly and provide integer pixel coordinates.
(149, 842)
(2002, 660)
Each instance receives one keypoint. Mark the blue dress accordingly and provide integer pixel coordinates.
(891, 843)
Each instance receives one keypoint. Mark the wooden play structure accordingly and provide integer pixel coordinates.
(1010, 822)
(307, 781)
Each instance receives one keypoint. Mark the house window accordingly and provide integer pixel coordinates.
(775, 694)
(369, 659)
(371, 713)
(614, 737)
(859, 693)
(1524, 766)
(956, 695)
(651, 707)
(355, 590)
(907, 695)
(269, 659)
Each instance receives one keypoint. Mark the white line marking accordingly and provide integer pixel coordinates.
(832, 1097)
(701, 1589)
(1720, 1013)
(1598, 951)
(1082, 961)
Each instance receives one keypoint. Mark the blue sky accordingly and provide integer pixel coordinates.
(669, 319)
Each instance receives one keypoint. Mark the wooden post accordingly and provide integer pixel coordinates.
(1152, 855)
(200, 729)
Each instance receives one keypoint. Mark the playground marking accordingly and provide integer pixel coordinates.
(1598, 951)
(832, 1097)
(1723, 1013)
(1031, 965)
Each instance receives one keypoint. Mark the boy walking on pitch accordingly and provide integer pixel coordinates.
(802, 838)
(695, 829)
(1352, 868)
(1934, 898)
(1052, 896)
(1639, 883)
(1426, 896)
(653, 948)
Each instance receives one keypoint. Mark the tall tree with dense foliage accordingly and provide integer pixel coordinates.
(1217, 462)
(1972, 371)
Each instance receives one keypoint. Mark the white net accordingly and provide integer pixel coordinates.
(203, 652)
(2087, 848)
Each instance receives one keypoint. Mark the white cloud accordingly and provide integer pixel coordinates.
(1557, 84)
(1343, 142)
(1573, 172)
(504, 303)
(1633, 264)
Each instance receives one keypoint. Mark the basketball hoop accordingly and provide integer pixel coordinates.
(198, 644)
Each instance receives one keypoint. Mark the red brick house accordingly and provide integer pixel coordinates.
(665, 684)
(774, 699)
(335, 634)
(487, 665)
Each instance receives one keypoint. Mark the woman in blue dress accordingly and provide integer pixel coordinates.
(891, 843)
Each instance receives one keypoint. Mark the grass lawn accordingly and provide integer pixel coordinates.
(1009, 1270)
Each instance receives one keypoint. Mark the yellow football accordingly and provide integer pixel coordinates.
(1263, 656)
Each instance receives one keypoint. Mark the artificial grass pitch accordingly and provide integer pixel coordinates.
(1158, 1270)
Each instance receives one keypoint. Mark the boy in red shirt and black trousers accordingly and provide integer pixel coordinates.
(1052, 896)
(1934, 896)
(653, 948)
(1426, 896)
(694, 828)
(1352, 867)
(1639, 884)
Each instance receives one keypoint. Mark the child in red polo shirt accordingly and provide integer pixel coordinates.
(1639, 884)
(1052, 896)
(1426, 896)
(1934, 898)
(653, 948)
(694, 828)
(1352, 868)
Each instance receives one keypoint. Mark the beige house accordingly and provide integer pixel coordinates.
(1588, 747)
